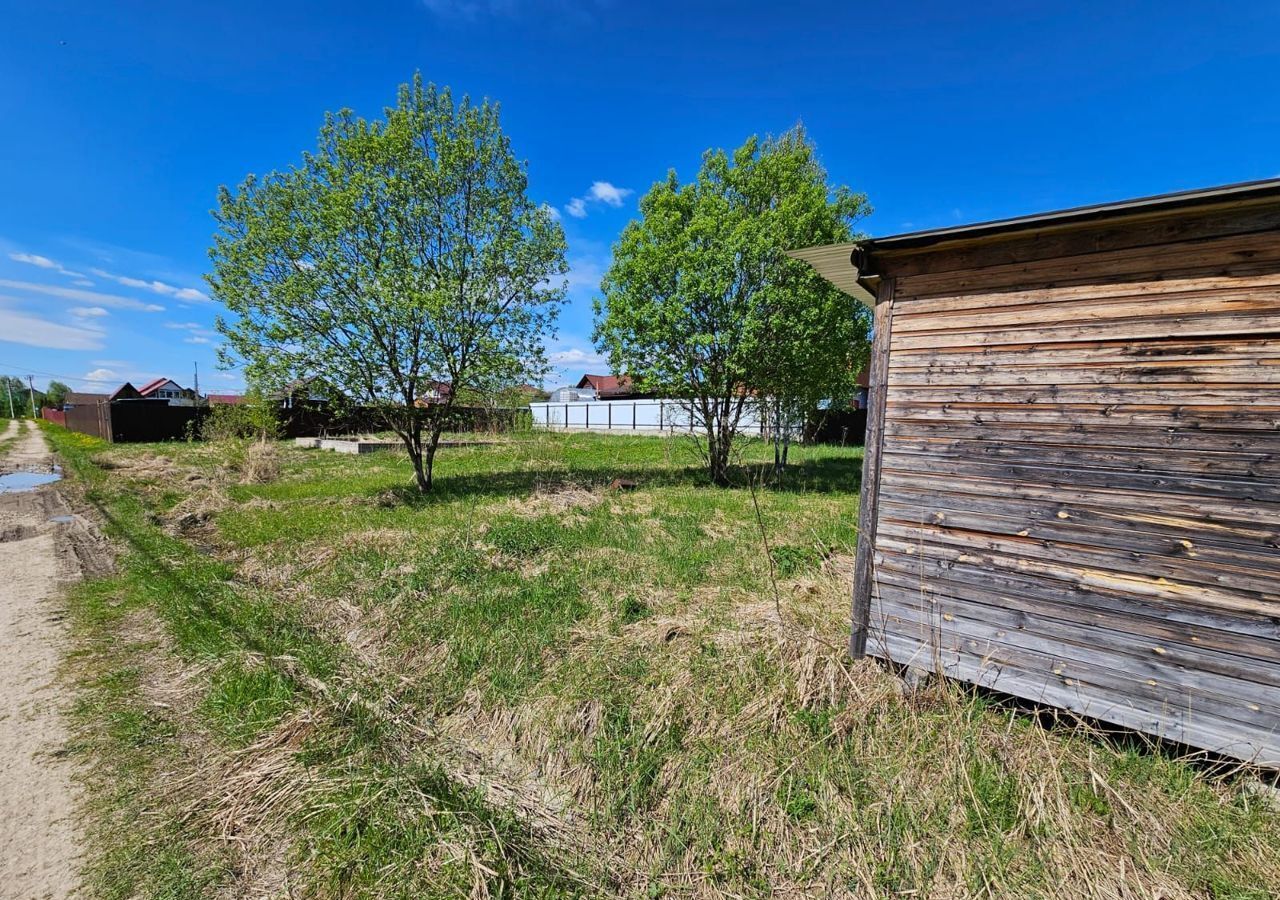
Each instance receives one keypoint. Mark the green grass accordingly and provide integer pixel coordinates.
(528, 682)
(6, 444)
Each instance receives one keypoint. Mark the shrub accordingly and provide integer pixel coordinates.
(261, 463)
(257, 417)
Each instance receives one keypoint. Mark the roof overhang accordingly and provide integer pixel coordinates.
(853, 268)
(1160, 204)
(834, 262)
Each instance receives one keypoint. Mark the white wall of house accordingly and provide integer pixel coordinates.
(648, 416)
(173, 392)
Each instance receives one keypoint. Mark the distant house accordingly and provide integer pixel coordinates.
(436, 392)
(610, 387)
(224, 399)
(82, 398)
(311, 391)
(162, 389)
(599, 387)
(860, 399)
(126, 391)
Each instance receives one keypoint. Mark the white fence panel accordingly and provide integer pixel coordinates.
(649, 416)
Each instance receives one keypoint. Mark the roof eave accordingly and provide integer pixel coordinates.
(834, 262)
(1242, 192)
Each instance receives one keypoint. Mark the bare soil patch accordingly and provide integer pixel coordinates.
(43, 544)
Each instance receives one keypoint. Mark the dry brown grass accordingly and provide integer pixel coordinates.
(261, 463)
(695, 729)
(556, 498)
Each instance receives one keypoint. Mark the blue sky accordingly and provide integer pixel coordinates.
(119, 120)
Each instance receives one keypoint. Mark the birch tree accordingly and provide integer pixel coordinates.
(701, 302)
(402, 252)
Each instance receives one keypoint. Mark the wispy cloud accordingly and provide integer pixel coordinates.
(199, 334)
(578, 11)
(88, 312)
(585, 273)
(44, 262)
(33, 331)
(576, 356)
(570, 357)
(95, 298)
(600, 192)
(157, 287)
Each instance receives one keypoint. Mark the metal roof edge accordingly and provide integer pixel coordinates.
(1245, 190)
(834, 262)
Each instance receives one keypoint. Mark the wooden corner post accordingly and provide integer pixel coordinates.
(877, 395)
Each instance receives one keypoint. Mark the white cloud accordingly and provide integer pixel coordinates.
(44, 262)
(89, 312)
(607, 193)
(599, 192)
(102, 376)
(32, 259)
(551, 211)
(158, 287)
(113, 301)
(20, 328)
(576, 356)
(83, 282)
(196, 340)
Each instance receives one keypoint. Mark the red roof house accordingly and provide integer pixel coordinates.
(608, 387)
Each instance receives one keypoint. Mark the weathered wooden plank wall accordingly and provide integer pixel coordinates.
(1079, 473)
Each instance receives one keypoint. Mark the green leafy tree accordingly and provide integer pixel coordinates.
(403, 252)
(702, 303)
(19, 389)
(56, 394)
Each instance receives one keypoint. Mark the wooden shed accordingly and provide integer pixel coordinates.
(1071, 490)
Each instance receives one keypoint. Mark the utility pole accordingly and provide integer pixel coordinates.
(32, 388)
(8, 384)
(196, 370)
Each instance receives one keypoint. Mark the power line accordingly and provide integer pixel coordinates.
(46, 374)
(77, 378)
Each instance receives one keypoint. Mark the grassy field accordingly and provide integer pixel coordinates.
(529, 685)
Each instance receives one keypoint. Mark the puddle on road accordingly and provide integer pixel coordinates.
(17, 482)
(62, 520)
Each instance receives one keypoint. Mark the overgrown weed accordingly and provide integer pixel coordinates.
(490, 692)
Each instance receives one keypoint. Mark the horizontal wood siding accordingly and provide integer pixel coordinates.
(1079, 486)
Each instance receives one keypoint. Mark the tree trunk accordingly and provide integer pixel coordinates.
(718, 446)
(412, 438)
(433, 443)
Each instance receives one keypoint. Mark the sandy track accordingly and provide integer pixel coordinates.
(42, 545)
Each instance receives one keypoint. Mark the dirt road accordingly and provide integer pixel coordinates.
(43, 544)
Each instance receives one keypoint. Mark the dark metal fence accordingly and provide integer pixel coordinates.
(316, 420)
(134, 421)
(843, 426)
